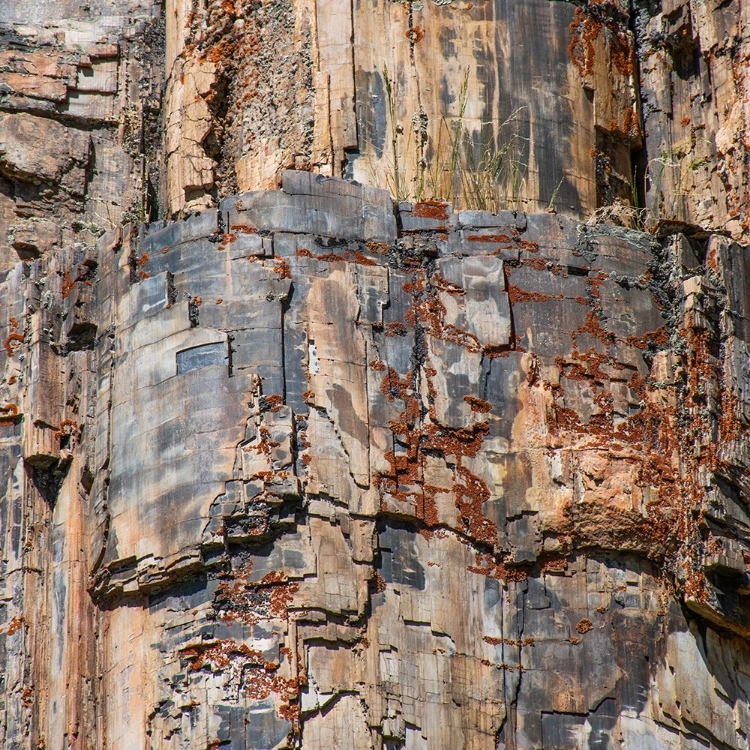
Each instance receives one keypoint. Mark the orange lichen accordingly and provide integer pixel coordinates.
(585, 28)
(8, 414)
(244, 228)
(414, 34)
(395, 329)
(67, 285)
(362, 259)
(516, 295)
(555, 565)
(430, 312)
(220, 52)
(252, 674)
(15, 625)
(378, 582)
(68, 428)
(13, 343)
(282, 269)
(447, 286)
(489, 238)
(517, 642)
(584, 626)
(652, 339)
(486, 565)
(238, 599)
(431, 210)
(477, 404)
(378, 248)
(272, 402)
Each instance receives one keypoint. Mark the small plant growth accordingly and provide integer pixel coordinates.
(473, 169)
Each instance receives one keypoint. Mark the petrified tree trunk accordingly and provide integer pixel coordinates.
(288, 463)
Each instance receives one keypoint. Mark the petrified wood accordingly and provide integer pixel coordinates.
(311, 471)
(375, 375)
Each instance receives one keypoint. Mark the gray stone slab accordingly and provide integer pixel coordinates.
(197, 226)
(313, 204)
(201, 356)
(480, 219)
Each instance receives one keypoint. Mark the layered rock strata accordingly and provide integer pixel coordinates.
(289, 464)
(313, 470)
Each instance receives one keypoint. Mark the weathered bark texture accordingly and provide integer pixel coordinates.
(289, 463)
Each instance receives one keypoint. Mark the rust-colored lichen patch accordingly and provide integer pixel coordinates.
(437, 210)
(584, 626)
(486, 565)
(13, 343)
(68, 428)
(15, 625)
(516, 295)
(67, 285)
(282, 269)
(331, 258)
(395, 329)
(237, 598)
(415, 34)
(253, 675)
(478, 405)
(587, 25)
(9, 413)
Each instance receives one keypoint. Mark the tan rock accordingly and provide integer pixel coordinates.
(62, 161)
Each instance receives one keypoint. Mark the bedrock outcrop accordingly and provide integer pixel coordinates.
(452, 456)
(314, 469)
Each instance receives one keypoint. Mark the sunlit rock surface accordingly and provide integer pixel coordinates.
(451, 456)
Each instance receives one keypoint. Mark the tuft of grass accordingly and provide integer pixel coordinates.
(555, 192)
(466, 169)
(396, 180)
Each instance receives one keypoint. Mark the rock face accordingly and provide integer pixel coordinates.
(305, 471)
(313, 467)
(501, 104)
(80, 140)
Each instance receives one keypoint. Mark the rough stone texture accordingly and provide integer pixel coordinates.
(415, 479)
(80, 147)
(314, 467)
(693, 61)
(425, 99)
(581, 105)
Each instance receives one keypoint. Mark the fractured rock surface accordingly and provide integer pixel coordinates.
(311, 471)
(80, 142)
(288, 463)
